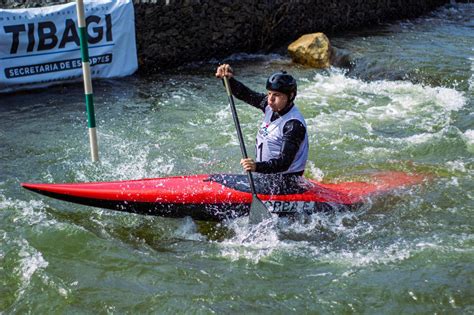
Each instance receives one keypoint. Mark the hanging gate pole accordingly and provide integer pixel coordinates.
(86, 71)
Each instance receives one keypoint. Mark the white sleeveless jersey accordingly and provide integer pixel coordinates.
(270, 139)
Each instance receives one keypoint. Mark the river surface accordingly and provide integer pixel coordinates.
(407, 105)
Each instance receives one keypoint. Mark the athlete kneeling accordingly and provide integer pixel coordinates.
(282, 140)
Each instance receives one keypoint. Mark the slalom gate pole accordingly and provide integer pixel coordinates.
(86, 71)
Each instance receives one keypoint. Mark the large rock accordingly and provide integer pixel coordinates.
(312, 50)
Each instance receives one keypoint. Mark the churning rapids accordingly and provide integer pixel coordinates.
(406, 105)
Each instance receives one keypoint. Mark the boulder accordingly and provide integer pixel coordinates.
(312, 50)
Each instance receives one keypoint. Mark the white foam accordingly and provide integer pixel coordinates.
(314, 171)
(202, 147)
(457, 165)
(161, 165)
(453, 182)
(364, 257)
(125, 160)
(32, 211)
(419, 138)
(223, 114)
(31, 261)
(468, 137)
(251, 242)
(333, 222)
(281, 236)
(376, 152)
(188, 230)
(449, 99)
(389, 99)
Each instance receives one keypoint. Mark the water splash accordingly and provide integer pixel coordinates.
(188, 230)
(251, 242)
(32, 211)
(30, 262)
(302, 236)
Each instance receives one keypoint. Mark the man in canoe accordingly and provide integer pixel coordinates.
(282, 140)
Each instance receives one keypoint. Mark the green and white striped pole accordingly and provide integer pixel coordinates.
(86, 71)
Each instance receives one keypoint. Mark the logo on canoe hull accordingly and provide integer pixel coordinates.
(290, 206)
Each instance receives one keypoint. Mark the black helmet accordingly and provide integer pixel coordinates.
(282, 82)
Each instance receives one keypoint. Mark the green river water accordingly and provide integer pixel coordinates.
(407, 105)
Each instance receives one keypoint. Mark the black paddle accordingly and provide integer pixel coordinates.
(258, 211)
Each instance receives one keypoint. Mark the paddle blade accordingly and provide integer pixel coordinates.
(258, 211)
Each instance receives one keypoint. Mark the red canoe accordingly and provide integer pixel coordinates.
(220, 196)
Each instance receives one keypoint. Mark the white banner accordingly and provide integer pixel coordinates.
(40, 46)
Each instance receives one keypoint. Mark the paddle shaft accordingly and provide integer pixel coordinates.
(239, 131)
